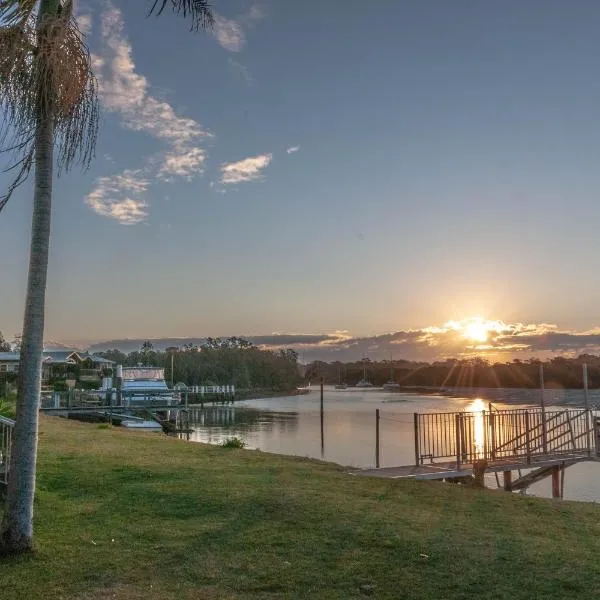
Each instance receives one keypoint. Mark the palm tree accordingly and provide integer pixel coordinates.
(49, 101)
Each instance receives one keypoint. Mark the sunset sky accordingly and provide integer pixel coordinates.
(347, 170)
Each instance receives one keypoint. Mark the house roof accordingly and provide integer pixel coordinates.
(58, 357)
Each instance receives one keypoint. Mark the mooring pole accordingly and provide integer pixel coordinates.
(322, 423)
(377, 438)
(543, 404)
(588, 412)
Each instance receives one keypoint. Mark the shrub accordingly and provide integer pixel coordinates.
(234, 442)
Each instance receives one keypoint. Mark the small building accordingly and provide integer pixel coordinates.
(62, 365)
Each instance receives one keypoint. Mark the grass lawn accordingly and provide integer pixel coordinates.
(130, 515)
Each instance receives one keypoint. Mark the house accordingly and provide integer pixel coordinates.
(62, 365)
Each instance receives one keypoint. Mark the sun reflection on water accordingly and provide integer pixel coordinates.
(477, 407)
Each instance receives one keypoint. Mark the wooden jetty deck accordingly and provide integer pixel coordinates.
(466, 445)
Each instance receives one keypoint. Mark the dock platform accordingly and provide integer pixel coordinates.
(466, 445)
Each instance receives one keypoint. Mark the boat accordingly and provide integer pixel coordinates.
(364, 382)
(391, 385)
(341, 385)
(304, 389)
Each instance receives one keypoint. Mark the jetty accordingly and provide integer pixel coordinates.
(464, 446)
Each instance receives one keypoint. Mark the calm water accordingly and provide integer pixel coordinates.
(291, 425)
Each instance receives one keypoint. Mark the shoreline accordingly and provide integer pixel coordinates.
(294, 527)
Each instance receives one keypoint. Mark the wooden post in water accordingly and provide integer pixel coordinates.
(556, 481)
(377, 438)
(322, 423)
(588, 412)
(543, 404)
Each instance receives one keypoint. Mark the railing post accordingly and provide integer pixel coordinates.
(458, 440)
(416, 428)
(493, 430)
(527, 437)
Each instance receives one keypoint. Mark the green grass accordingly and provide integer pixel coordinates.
(131, 515)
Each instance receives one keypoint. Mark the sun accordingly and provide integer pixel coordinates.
(476, 330)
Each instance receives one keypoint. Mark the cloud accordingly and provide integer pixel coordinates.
(83, 18)
(118, 197)
(293, 149)
(230, 32)
(125, 92)
(248, 169)
(506, 341)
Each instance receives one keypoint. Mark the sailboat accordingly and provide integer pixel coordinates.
(364, 382)
(340, 385)
(391, 385)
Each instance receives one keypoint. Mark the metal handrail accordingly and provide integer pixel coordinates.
(6, 440)
(501, 434)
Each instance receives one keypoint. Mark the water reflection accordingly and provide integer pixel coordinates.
(346, 435)
(477, 407)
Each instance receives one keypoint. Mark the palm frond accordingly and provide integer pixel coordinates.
(45, 72)
(199, 11)
(16, 12)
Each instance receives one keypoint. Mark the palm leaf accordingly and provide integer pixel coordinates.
(198, 10)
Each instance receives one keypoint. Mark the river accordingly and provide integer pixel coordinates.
(291, 425)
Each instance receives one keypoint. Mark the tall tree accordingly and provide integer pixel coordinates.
(48, 100)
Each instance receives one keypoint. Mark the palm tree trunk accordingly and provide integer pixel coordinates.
(16, 531)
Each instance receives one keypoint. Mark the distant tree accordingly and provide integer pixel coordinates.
(147, 346)
(4, 345)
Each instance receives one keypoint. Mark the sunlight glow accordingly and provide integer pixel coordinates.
(477, 407)
(477, 329)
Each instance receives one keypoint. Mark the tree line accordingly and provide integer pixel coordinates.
(218, 361)
(559, 372)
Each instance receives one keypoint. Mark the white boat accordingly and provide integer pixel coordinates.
(148, 425)
(340, 385)
(391, 384)
(364, 382)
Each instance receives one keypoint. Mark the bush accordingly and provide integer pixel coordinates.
(7, 409)
(234, 442)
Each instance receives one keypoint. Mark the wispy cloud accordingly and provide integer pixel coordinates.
(241, 70)
(230, 33)
(248, 169)
(293, 149)
(125, 92)
(119, 197)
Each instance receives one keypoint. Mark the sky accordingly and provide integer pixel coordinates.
(337, 169)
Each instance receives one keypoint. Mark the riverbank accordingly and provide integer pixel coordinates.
(259, 394)
(556, 397)
(138, 515)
